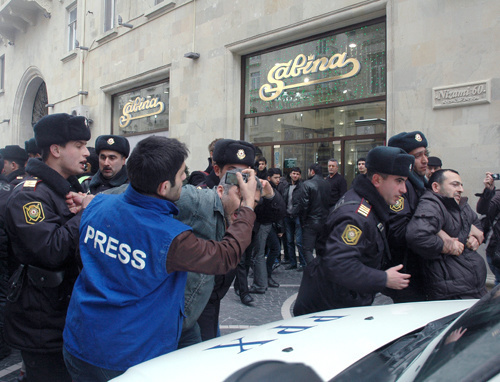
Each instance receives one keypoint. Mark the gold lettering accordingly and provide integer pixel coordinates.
(301, 66)
(140, 104)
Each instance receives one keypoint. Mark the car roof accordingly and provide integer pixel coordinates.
(327, 341)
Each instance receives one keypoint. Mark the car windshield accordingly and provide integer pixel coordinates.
(388, 362)
(469, 351)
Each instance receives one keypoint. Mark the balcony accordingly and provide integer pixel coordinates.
(17, 15)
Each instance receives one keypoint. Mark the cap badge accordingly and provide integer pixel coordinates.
(241, 154)
(110, 141)
(418, 137)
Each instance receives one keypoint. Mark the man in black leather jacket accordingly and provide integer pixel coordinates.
(311, 206)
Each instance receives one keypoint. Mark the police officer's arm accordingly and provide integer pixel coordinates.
(348, 242)
(422, 233)
(40, 238)
(400, 215)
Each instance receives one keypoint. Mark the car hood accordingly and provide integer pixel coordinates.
(327, 341)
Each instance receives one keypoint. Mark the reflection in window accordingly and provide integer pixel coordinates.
(72, 14)
(2, 72)
(109, 14)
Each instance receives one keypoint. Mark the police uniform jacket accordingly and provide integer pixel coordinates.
(43, 235)
(446, 276)
(313, 201)
(349, 274)
(5, 189)
(16, 177)
(99, 184)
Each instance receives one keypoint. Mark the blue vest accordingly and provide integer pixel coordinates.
(125, 307)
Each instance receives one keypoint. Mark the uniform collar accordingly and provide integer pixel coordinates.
(364, 187)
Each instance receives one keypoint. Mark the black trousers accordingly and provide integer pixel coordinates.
(43, 367)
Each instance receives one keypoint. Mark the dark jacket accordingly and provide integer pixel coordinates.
(350, 272)
(313, 201)
(489, 205)
(5, 190)
(271, 210)
(42, 233)
(16, 177)
(285, 192)
(338, 187)
(100, 184)
(446, 276)
(401, 253)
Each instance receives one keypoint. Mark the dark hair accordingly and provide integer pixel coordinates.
(296, 169)
(273, 171)
(155, 160)
(1, 163)
(439, 176)
(316, 168)
(260, 158)
(370, 173)
(361, 160)
(93, 160)
(46, 150)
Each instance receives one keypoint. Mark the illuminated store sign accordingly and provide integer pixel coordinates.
(132, 108)
(301, 66)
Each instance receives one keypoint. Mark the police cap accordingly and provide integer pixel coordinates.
(230, 151)
(408, 141)
(31, 147)
(14, 153)
(390, 161)
(61, 128)
(112, 142)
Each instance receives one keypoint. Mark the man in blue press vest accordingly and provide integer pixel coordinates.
(128, 302)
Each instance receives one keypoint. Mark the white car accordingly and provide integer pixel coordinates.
(413, 341)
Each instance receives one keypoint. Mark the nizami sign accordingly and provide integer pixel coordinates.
(461, 95)
(301, 66)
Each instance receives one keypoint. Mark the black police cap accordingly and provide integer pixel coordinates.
(230, 151)
(61, 128)
(112, 142)
(408, 141)
(390, 161)
(14, 153)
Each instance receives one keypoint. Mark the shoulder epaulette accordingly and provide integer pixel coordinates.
(20, 177)
(30, 185)
(364, 208)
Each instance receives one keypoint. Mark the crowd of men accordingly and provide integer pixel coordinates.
(116, 252)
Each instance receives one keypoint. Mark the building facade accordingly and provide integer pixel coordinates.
(304, 81)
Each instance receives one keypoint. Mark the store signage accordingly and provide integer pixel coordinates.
(140, 104)
(462, 95)
(301, 66)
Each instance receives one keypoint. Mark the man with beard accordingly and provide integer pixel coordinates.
(448, 276)
(351, 270)
(43, 239)
(112, 151)
(127, 304)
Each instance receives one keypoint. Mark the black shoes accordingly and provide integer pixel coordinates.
(247, 300)
(271, 283)
(291, 267)
(256, 291)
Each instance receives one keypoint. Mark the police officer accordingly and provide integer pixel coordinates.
(350, 272)
(415, 144)
(112, 151)
(43, 238)
(14, 161)
(32, 149)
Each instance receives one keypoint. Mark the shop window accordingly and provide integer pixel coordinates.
(109, 14)
(2, 73)
(72, 18)
(142, 110)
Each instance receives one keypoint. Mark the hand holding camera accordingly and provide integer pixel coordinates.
(488, 181)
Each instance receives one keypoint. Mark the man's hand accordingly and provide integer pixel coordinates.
(451, 245)
(477, 234)
(395, 279)
(78, 201)
(249, 193)
(267, 189)
(488, 181)
(472, 243)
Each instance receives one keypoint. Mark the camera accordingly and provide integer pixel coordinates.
(232, 179)
(495, 176)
